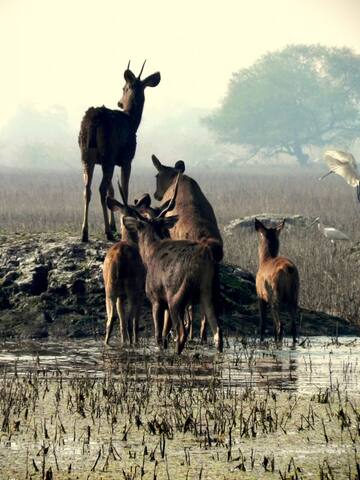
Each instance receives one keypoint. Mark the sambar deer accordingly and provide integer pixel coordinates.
(196, 221)
(124, 279)
(277, 282)
(108, 137)
(179, 273)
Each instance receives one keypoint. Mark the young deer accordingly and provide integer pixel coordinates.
(124, 279)
(179, 273)
(277, 281)
(197, 219)
(108, 137)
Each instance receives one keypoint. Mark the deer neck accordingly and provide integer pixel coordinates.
(135, 114)
(266, 253)
(129, 236)
(148, 241)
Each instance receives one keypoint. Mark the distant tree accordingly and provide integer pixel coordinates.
(302, 95)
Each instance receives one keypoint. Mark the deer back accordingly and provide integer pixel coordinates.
(197, 219)
(123, 270)
(277, 279)
(179, 268)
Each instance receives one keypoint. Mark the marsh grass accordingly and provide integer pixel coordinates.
(37, 202)
(167, 417)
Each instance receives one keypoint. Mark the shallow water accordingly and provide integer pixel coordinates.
(318, 362)
(89, 412)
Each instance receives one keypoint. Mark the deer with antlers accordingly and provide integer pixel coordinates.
(196, 220)
(123, 270)
(277, 281)
(179, 273)
(108, 137)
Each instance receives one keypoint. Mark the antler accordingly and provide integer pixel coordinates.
(171, 204)
(141, 71)
(128, 65)
(131, 209)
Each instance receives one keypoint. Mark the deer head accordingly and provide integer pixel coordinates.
(160, 224)
(165, 176)
(133, 90)
(269, 237)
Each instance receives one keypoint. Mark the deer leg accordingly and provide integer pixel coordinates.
(110, 310)
(111, 194)
(177, 316)
(120, 306)
(167, 327)
(125, 177)
(294, 322)
(203, 333)
(263, 316)
(189, 321)
(278, 326)
(209, 312)
(104, 187)
(88, 175)
(158, 319)
(136, 317)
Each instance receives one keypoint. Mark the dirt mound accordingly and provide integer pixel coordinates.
(269, 218)
(52, 285)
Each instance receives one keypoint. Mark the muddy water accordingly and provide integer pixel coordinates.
(82, 411)
(319, 362)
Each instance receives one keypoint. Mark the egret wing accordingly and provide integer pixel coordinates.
(343, 164)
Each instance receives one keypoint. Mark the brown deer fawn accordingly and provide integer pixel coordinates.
(179, 273)
(196, 221)
(124, 279)
(277, 282)
(108, 137)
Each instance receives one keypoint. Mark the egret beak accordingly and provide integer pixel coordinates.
(326, 174)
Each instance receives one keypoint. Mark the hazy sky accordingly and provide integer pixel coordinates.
(73, 52)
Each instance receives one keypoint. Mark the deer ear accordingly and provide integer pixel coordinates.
(129, 76)
(259, 226)
(169, 222)
(143, 202)
(114, 205)
(180, 166)
(152, 80)
(280, 226)
(156, 163)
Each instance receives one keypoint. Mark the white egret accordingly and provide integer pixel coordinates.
(343, 164)
(333, 234)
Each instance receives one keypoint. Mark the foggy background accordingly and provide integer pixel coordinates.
(59, 58)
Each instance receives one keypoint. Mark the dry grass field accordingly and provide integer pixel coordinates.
(329, 276)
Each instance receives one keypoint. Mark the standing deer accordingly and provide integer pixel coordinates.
(124, 279)
(124, 272)
(179, 273)
(277, 281)
(196, 221)
(108, 137)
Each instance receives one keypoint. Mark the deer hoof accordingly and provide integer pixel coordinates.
(181, 345)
